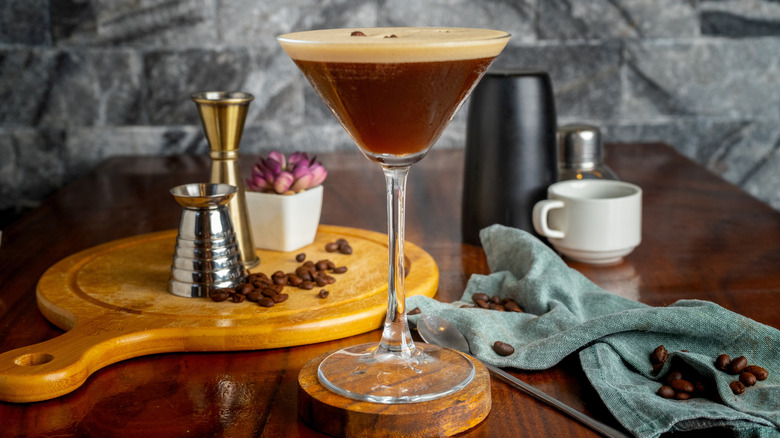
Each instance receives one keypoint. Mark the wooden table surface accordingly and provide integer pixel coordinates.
(702, 238)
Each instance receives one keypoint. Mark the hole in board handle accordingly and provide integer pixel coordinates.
(33, 359)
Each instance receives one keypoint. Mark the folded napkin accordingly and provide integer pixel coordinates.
(566, 313)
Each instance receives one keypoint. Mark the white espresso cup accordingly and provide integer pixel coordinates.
(592, 221)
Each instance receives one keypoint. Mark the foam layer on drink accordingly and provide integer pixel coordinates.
(393, 44)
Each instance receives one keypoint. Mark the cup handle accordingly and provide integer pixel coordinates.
(541, 210)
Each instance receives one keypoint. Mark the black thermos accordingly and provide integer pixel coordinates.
(510, 157)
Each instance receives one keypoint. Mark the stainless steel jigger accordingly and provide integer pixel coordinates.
(207, 255)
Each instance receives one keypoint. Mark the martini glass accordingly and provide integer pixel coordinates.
(394, 90)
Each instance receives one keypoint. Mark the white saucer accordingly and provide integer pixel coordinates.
(594, 257)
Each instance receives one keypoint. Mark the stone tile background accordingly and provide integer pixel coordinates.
(83, 80)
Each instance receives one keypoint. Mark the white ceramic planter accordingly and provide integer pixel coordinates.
(284, 222)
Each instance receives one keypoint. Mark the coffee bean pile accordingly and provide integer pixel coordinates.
(749, 375)
(484, 301)
(258, 289)
(267, 291)
(683, 384)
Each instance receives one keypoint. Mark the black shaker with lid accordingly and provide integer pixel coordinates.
(510, 157)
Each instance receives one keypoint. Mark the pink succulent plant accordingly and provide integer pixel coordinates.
(286, 175)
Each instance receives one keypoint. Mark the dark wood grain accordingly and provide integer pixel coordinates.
(702, 238)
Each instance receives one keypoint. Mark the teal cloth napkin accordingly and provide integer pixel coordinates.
(566, 313)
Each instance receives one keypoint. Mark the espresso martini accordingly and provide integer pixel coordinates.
(394, 90)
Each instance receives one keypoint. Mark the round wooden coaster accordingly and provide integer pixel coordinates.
(339, 416)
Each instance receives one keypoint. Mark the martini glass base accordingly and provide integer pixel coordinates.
(430, 373)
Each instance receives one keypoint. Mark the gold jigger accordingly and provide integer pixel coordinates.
(223, 115)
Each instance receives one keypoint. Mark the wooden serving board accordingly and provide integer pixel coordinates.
(113, 301)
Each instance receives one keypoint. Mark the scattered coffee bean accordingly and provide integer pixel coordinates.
(238, 298)
(300, 257)
(331, 247)
(339, 270)
(481, 304)
(737, 387)
(357, 33)
(760, 373)
(479, 296)
(256, 277)
(681, 385)
(503, 349)
(219, 295)
(494, 306)
(737, 365)
(265, 302)
(666, 391)
(415, 311)
(722, 362)
(672, 376)
(683, 396)
(700, 388)
(495, 299)
(323, 294)
(345, 249)
(659, 355)
(513, 307)
(254, 296)
(307, 285)
(280, 298)
(747, 379)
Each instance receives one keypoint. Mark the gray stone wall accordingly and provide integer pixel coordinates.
(83, 80)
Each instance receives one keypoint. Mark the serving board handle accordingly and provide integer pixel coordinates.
(58, 366)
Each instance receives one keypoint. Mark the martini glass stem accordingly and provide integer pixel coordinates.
(396, 337)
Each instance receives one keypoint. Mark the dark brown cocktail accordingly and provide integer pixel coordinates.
(398, 108)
